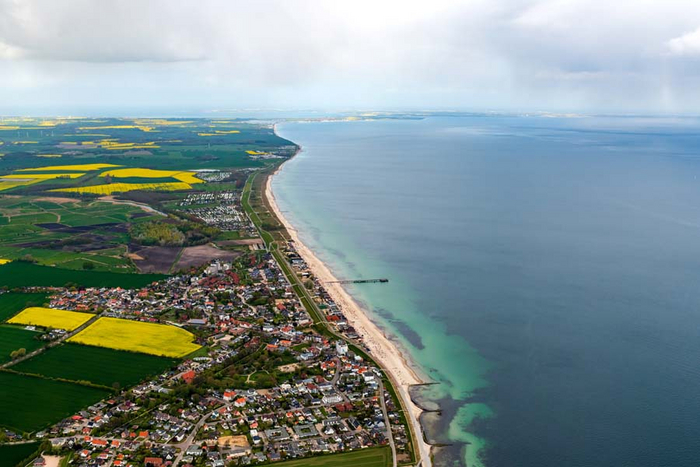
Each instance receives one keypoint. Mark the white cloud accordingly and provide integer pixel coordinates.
(559, 54)
(687, 44)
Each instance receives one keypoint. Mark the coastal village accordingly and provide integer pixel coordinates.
(269, 387)
(231, 346)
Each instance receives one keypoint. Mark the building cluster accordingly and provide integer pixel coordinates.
(271, 387)
(213, 175)
(334, 314)
(219, 209)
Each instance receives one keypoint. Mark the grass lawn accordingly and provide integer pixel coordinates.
(374, 457)
(29, 404)
(11, 456)
(13, 338)
(95, 364)
(12, 302)
(23, 274)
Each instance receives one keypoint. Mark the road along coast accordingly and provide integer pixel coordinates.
(386, 352)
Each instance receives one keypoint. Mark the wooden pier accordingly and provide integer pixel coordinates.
(359, 281)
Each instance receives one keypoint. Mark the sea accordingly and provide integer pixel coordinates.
(543, 270)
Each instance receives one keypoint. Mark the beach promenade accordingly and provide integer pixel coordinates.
(380, 347)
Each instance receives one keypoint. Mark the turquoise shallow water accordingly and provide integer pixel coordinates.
(544, 271)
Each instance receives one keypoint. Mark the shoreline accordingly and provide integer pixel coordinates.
(387, 353)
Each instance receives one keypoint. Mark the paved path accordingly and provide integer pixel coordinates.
(319, 317)
(187, 442)
(389, 433)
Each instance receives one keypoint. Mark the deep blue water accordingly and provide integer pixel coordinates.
(546, 271)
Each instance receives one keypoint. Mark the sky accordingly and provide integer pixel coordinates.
(619, 56)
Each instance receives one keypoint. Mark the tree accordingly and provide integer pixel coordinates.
(88, 265)
(19, 353)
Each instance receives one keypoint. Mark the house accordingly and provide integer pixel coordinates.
(188, 376)
(240, 402)
(341, 348)
(332, 399)
(99, 443)
(153, 462)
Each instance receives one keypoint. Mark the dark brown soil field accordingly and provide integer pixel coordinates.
(155, 258)
(195, 256)
(247, 241)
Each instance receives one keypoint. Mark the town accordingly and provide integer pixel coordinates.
(270, 386)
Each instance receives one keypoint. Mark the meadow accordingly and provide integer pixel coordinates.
(22, 274)
(136, 336)
(68, 232)
(375, 457)
(29, 403)
(12, 303)
(12, 455)
(13, 338)
(98, 365)
(51, 318)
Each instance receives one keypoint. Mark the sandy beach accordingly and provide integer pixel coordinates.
(386, 352)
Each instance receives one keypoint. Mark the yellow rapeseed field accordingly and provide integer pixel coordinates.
(15, 180)
(255, 153)
(117, 146)
(219, 132)
(111, 144)
(187, 177)
(86, 167)
(141, 173)
(7, 185)
(49, 155)
(5, 261)
(161, 122)
(42, 176)
(117, 127)
(124, 187)
(50, 318)
(137, 336)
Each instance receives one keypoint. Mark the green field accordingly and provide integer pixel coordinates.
(12, 455)
(68, 233)
(29, 404)
(12, 303)
(177, 145)
(375, 457)
(13, 338)
(95, 364)
(22, 274)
